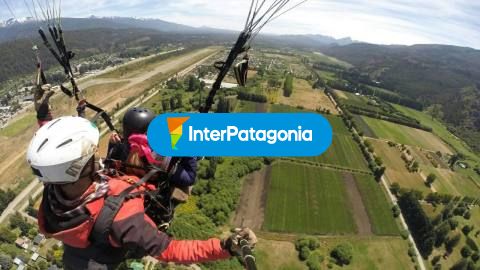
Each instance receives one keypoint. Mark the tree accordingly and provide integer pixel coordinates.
(193, 84)
(343, 254)
(5, 261)
(475, 256)
(462, 264)
(304, 253)
(314, 260)
(430, 179)
(441, 234)
(453, 223)
(288, 85)
(18, 221)
(414, 166)
(419, 223)
(396, 211)
(436, 111)
(467, 229)
(41, 265)
(451, 243)
(6, 235)
(466, 252)
(454, 159)
(395, 188)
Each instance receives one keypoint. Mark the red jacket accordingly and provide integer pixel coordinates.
(131, 230)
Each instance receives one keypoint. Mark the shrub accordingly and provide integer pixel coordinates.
(411, 252)
(472, 244)
(475, 256)
(453, 224)
(452, 242)
(343, 254)
(466, 251)
(436, 259)
(304, 253)
(314, 260)
(467, 229)
(396, 211)
(404, 234)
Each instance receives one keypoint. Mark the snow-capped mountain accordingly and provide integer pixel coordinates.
(13, 21)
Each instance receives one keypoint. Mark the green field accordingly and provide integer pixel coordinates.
(246, 106)
(372, 253)
(406, 135)
(440, 130)
(309, 200)
(18, 126)
(378, 208)
(343, 152)
(396, 170)
(322, 58)
(337, 124)
(363, 126)
(452, 182)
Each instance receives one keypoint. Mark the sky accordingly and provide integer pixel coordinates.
(454, 22)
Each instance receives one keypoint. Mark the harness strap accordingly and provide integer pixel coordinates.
(103, 225)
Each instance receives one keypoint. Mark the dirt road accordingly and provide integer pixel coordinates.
(250, 211)
(360, 215)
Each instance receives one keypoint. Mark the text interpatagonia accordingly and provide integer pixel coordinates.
(270, 136)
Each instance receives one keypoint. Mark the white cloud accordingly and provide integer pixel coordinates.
(380, 21)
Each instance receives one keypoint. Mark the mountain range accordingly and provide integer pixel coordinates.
(432, 74)
(27, 27)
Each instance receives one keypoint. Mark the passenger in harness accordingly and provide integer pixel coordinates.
(132, 155)
(101, 218)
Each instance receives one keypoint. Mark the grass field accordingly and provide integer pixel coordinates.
(246, 106)
(378, 208)
(322, 58)
(18, 126)
(311, 99)
(452, 182)
(368, 253)
(406, 135)
(281, 255)
(309, 200)
(343, 152)
(440, 130)
(372, 253)
(396, 170)
(356, 100)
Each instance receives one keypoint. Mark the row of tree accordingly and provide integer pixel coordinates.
(243, 95)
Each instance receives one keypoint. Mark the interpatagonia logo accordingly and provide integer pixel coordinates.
(175, 127)
(240, 134)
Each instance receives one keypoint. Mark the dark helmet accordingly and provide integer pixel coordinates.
(136, 120)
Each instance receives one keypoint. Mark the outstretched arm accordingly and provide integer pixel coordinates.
(135, 230)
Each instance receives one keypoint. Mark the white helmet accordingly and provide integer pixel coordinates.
(61, 148)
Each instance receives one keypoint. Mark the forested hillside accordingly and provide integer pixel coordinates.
(447, 76)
